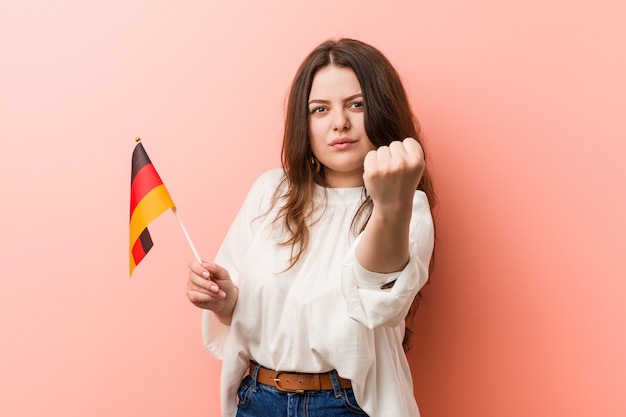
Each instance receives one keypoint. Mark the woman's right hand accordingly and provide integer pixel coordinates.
(210, 287)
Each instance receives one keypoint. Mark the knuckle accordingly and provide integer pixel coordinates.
(192, 295)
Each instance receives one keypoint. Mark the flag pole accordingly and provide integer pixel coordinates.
(182, 226)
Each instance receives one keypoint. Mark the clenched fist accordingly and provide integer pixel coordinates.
(391, 173)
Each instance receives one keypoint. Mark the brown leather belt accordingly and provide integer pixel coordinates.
(295, 381)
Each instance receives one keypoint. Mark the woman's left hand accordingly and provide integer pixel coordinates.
(391, 174)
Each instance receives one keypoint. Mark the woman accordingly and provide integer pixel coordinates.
(307, 300)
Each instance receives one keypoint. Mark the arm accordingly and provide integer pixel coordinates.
(397, 243)
(369, 298)
(391, 175)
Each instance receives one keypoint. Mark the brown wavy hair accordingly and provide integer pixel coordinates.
(388, 117)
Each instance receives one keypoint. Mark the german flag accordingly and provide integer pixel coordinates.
(148, 200)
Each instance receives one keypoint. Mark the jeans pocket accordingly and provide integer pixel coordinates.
(243, 393)
(349, 401)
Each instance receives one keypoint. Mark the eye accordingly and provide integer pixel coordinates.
(357, 105)
(318, 109)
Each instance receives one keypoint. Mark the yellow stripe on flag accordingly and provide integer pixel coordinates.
(151, 206)
(132, 263)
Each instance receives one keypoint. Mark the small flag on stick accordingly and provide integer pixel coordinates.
(148, 200)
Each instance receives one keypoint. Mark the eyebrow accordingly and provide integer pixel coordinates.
(352, 97)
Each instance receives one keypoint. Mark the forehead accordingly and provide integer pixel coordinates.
(334, 81)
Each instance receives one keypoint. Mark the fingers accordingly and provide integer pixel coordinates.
(369, 163)
(202, 282)
(398, 156)
(392, 173)
(217, 272)
(412, 146)
(199, 269)
(200, 289)
(408, 150)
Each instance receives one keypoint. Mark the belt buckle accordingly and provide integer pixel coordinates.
(315, 380)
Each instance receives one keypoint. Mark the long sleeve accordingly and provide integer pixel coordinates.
(374, 306)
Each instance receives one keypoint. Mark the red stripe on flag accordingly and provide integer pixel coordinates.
(146, 179)
(138, 252)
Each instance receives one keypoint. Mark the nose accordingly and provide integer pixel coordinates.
(341, 120)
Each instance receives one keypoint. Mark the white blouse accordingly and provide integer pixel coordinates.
(327, 312)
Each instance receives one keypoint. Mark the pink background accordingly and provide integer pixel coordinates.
(523, 107)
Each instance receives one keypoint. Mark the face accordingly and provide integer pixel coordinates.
(336, 126)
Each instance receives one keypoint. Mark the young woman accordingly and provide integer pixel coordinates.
(307, 299)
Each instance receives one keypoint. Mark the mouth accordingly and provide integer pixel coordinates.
(342, 141)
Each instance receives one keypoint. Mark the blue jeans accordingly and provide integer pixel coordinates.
(259, 400)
